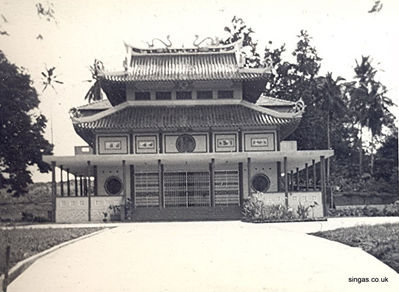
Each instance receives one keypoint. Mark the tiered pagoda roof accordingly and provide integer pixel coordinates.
(176, 65)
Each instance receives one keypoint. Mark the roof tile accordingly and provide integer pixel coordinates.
(177, 117)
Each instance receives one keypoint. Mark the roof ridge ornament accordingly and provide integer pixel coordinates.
(214, 42)
(299, 107)
(167, 44)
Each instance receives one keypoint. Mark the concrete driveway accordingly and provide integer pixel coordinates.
(205, 256)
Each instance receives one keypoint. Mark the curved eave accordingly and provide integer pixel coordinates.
(126, 78)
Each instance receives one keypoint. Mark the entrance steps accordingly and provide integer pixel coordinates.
(186, 214)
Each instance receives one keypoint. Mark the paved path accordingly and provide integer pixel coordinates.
(205, 256)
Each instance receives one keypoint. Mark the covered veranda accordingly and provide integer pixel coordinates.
(296, 171)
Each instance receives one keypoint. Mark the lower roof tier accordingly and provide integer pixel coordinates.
(185, 118)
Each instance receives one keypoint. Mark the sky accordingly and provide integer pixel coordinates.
(341, 30)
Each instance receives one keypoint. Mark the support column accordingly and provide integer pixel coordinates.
(85, 186)
(132, 193)
(278, 176)
(53, 191)
(68, 184)
(95, 182)
(210, 134)
(81, 185)
(323, 184)
(124, 201)
(131, 143)
(239, 141)
(212, 182)
(76, 185)
(297, 179)
(160, 143)
(61, 181)
(285, 181)
(88, 190)
(307, 177)
(292, 180)
(249, 176)
(160, 185)
(240, 183)
(314, 175)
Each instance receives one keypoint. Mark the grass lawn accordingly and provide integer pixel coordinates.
(27, 242)
(382, 241)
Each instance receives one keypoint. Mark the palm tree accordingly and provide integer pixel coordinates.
(370, 105)
(95, 93)
(331, 99)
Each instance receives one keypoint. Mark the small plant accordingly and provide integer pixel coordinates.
(256, 210)
(105, 214)
(303, 211)
(115, 212)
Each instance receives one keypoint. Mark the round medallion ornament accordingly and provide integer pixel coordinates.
(185, 143)
(260, 183)
(113, 185)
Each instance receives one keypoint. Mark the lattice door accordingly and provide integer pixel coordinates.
(175, 184)
(198, 189)
(146, 189)
(186, 189)
(227, 191)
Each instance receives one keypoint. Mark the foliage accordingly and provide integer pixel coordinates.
(337, 110)
(386, 164)
(238, 30)
(27, 242)
(303, 211)
(366, 211)
(255, 210)
(21, 129)
(369, 105)
(95, 93)
(382, 241)
(29, 217)
(115, 212)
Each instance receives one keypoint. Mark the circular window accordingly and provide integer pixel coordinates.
(185, 143)
(260, 182)
(113, 185)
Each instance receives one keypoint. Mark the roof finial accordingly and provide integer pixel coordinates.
(167, 45)
(213, 41)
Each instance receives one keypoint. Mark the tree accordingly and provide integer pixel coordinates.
(94, 93)
(331, 101)
(239, 30)
(369, 105)
(295, 80)
(386, 164)
(21, 131)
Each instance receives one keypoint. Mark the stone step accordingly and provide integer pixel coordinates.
(186, 214)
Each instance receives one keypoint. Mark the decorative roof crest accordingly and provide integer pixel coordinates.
(214, 42)
(167, 45)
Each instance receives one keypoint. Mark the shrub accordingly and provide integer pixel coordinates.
(389, 210)
(392, 209)
(303, 211)
(255, 210)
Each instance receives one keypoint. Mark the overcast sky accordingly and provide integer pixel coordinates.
(342, 31)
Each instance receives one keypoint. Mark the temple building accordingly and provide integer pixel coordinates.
(185, 134)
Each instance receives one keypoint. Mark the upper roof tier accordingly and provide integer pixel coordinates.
(171, 64)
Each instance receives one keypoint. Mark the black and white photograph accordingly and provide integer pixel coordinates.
(217, 145)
